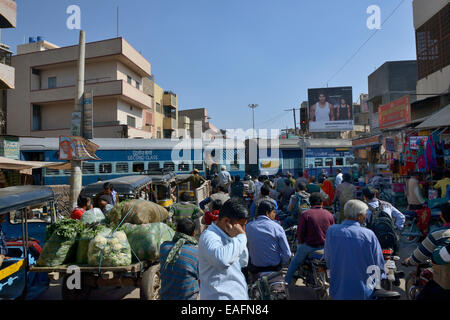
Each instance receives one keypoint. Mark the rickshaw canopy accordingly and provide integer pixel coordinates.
(123, 185)
(15, 198)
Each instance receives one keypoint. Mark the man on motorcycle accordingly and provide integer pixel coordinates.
(373, 203)
(267, 243)
(439, 286)
(298, 203)
(264, 196)
(312, 228)
(354, 256)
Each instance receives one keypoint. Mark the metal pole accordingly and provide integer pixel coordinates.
(76, 175)
(295, 121)
(253, 106)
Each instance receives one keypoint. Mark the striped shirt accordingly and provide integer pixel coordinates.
(442, 253)
(179, 281)
(186, 210)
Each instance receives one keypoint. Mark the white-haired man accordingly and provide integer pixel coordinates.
(224, 177)
(353, 255)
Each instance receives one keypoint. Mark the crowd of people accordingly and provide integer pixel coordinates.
(245, 223)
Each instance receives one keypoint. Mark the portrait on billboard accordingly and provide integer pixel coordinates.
(330, 109)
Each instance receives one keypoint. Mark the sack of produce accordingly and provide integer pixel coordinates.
(145, 239)
(61, 242)
(139, 212)
(83, 243)
(93, 216)
(107, 250)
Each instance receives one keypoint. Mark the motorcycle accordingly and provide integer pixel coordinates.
(392, 275)
(417, 280)
(268, 286)
(291, 235)
(314, 274)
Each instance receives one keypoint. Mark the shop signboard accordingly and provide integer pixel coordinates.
(9, 147)
(396, 113)
(375, 140)
(390, 144)
(416, 141)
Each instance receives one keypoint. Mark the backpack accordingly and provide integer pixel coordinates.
(383, 226)
(301, 206)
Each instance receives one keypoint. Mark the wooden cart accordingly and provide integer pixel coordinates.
(143, 275)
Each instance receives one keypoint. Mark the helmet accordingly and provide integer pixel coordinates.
(248, 177)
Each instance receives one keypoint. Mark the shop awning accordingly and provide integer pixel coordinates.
(366, 142)
(437, 120)
(10, 164)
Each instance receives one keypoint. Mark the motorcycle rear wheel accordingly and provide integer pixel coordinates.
(410, 287)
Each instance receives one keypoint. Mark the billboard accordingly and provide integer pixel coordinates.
(77, 148)
(330, 109)
(396, 113)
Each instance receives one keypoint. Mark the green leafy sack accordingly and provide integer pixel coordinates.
(107, 250)
(93, 216)
(61, 243)
(83, 243)
(146, 239)
(139, 212)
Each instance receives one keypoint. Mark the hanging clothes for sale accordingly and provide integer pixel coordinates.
(430, 154)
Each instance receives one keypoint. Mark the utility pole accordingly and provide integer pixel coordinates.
(75, 172)
(295, 119)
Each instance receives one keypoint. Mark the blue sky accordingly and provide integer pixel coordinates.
(224, 55)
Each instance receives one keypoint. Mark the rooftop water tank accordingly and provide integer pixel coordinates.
(40, 38)
(31, 39)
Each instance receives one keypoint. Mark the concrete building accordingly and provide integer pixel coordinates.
(170, 114)
(184, 127)
(42, 104)
(432, 25)
(199, 122)
(391, 81)
(8, 18)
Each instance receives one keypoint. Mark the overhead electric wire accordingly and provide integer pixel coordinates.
(365, 42)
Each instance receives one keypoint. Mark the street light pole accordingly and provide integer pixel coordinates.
(253, 107)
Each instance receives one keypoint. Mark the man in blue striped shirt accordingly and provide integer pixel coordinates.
(179, 264)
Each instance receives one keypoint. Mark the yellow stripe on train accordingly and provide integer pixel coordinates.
(11, 269)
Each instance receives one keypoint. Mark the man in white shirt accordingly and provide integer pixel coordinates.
(224, 177)
(339, 177)
(222, 253)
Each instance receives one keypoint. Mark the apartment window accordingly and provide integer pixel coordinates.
(433, 43)
(138, 167)
(122, 167)
(37, 117)
(138, 85)
(158, 134)
(153, 166)
(105, 168)
(158, 108)
(52, 82)
(131, 121)
(129, 79)
(88, 168)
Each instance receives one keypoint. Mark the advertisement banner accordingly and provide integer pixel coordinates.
(390, 144)
(9, 147)
(88, 115)
(416, 141)
(75, 129)
(396, 113)
(77, 148)
(330, 109)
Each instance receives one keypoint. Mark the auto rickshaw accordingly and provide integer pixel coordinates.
(162, 186)
(128, 187)
(27, 211)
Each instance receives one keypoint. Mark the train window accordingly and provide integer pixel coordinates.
(318, 162)
(234, 166)
(198, 166)
(152, 166)
(105, 168)
(183, 167)
(66, 172)
(349, 161)
(122, 167)
(51, 172)
(169, 165)
(339, 161)
(328, 162)
(88, 168)
(138, 167)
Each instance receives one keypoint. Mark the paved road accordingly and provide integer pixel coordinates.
(299, 292)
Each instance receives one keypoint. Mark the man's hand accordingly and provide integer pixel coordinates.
(234, 230)
(406, 261)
